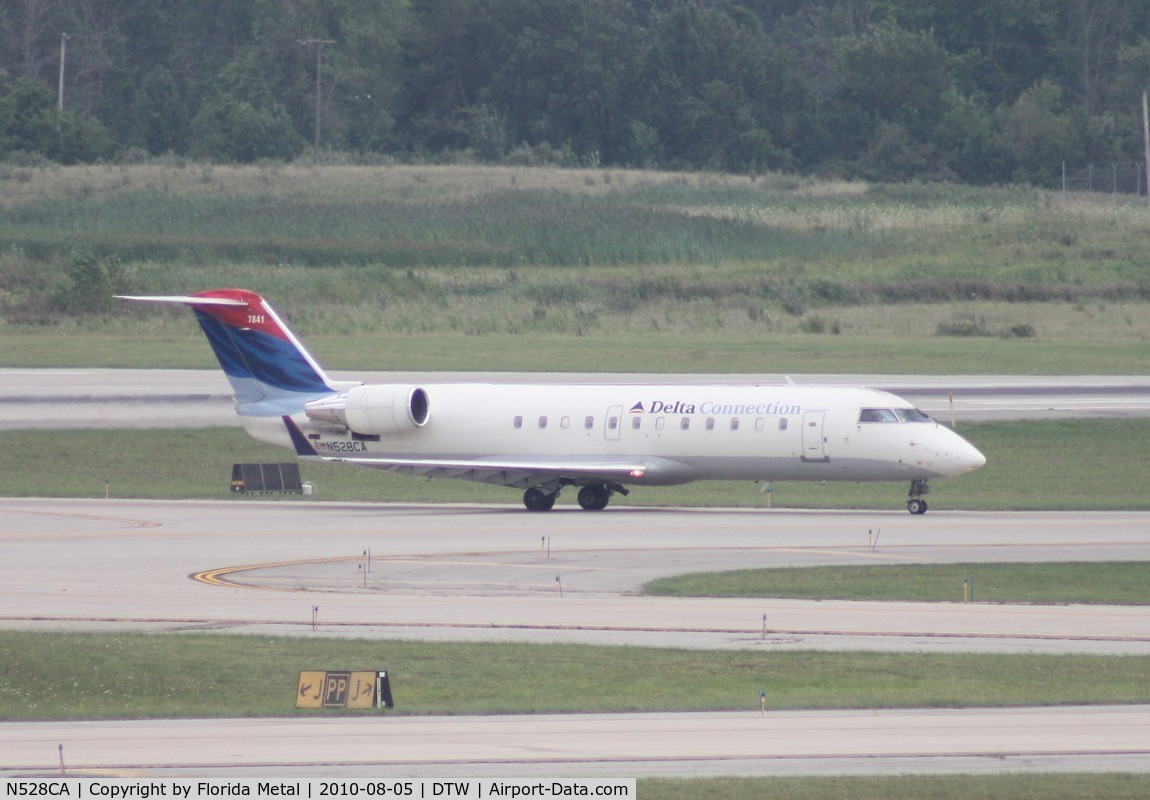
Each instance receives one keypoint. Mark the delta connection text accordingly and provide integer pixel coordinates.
(712, 408)
(143, 789)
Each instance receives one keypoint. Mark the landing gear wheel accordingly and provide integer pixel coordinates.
(594, 497)
(916, 505)
(538, 500)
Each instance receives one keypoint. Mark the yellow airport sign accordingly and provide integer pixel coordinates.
(343, 689)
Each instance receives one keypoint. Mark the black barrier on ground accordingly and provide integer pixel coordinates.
(266, 479)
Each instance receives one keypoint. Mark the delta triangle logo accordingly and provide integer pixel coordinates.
(637, 408)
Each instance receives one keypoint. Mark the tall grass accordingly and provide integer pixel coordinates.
(543, 218)
(506, 227)
(721, 261)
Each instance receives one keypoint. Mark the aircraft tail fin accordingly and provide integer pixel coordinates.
(270, 371)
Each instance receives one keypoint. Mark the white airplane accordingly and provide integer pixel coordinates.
(543, 437)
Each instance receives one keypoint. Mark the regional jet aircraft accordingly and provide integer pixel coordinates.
(541, 438)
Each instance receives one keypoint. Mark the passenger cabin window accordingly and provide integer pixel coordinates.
(565, 423)
(760, 424)
(612, 423)
(589, 423)
(710, 423)
(659, 423)
(783, 424)
(685, 423)
(543, 422)
(519, 422)
(636, 422)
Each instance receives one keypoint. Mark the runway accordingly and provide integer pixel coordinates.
(499, 574)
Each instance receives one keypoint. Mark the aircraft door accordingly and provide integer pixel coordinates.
(613, 423)
(814, 442)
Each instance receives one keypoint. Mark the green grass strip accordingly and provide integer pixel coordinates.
(1101, 786)
(1077, 582)
(49, 676)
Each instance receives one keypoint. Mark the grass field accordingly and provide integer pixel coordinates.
(1106, 583)
(500, 268)
(943, 787)
(106, 676)
(161, 342)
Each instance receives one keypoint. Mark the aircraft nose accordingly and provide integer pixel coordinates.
(971, 459)
(957, 456)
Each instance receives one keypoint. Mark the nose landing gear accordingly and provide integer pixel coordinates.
(916, 505)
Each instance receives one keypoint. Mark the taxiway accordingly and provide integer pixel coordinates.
(498, 574)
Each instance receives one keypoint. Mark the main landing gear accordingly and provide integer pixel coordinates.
(535, 499)
(916, 505)
(592, 497)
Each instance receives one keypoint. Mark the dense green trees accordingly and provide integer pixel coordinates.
(977, 91)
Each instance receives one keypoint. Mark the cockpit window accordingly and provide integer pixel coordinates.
(893, 415)
(912, 415)
(877, 415)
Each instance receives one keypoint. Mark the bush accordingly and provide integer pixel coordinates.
(90, 284)
(964, 325)
(235, 131)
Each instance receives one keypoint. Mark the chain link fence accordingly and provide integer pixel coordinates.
(1115, 178)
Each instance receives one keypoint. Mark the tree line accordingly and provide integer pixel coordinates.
(980, 91)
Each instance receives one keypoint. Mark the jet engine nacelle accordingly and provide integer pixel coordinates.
(380, 410)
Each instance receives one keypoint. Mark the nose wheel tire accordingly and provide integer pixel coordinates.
(916, 506)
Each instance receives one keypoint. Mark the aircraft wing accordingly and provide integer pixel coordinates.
(510, 471)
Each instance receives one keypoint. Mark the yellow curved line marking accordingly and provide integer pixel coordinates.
(218, 577)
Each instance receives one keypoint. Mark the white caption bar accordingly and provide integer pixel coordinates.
(413, 789)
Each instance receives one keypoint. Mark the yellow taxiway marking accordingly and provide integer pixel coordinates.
(218, 577)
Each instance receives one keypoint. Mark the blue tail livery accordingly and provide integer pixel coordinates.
(270, 371)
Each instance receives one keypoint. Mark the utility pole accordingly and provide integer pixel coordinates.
(1146, 141)
(319, 43)
(60, 86)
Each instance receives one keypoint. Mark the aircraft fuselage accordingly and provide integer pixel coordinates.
(678, 433)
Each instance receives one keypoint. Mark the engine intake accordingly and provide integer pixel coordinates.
(380, 410)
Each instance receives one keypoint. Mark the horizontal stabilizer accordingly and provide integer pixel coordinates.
(185, 299)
